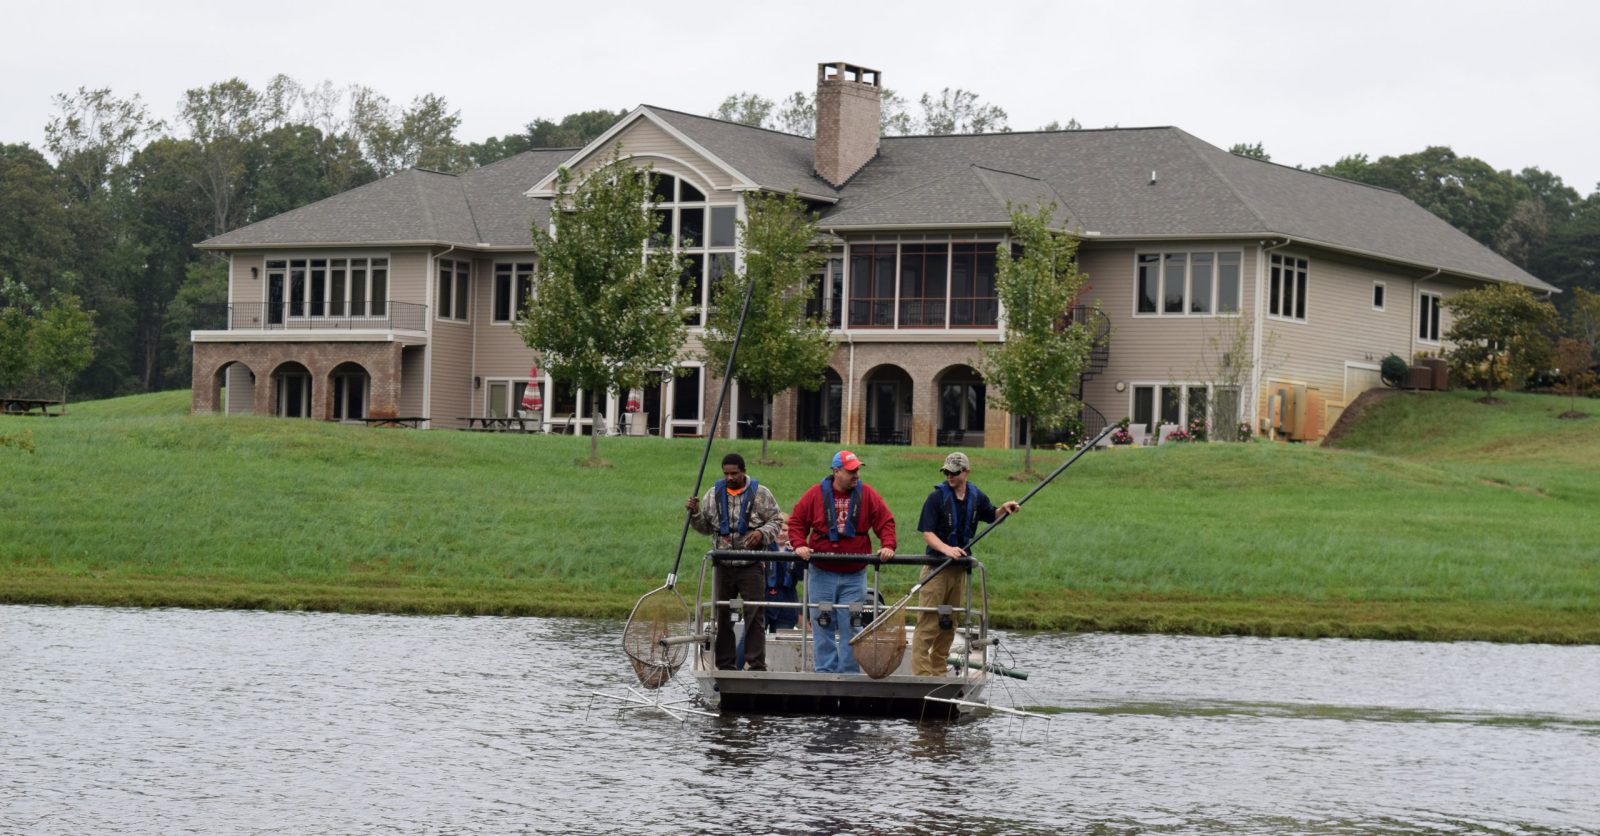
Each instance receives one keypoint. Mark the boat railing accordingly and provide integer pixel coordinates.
(972, 620)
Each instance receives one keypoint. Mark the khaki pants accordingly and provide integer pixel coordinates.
(930, 646)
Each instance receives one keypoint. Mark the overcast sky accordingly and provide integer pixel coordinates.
(1515, 84)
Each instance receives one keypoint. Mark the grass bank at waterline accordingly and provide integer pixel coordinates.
(1438, 519)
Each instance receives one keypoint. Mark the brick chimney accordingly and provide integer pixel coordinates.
(849, 110)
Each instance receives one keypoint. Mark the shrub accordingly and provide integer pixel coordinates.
(1393, 370)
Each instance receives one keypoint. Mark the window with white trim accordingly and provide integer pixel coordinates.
(1428, 317)
(326, 287)
(702, 235)
(1378, 291)
(1182, 403)
(1187, 283)
(513, 284)
(455, 288)
(1286, 288)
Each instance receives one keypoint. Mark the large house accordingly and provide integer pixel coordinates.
(1228, 288)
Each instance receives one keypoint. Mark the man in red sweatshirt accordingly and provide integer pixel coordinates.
(833, 517)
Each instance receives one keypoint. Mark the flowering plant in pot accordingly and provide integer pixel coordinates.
(1120, 437)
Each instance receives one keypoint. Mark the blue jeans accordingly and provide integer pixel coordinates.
(833, 655)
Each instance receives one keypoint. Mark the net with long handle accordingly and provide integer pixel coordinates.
(881, 645)
(653, 636)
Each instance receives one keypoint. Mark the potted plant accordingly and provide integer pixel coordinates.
(1120, 437)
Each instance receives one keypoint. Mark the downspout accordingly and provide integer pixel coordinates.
(1260, 326)
(849, 387)
(1416, 320)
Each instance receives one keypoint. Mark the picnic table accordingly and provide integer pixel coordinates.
(412, 421)
(501, 423)
(29, 406)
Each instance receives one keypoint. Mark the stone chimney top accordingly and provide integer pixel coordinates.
(849, 113)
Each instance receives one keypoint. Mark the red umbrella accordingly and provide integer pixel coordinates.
(533, 396)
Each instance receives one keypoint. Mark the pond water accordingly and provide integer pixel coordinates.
(167, 721)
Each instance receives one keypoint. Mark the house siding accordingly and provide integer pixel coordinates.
(498, 351)
(645, 139)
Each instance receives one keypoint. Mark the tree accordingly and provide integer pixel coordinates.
(1575, 358)
(1252, 150)
(1499, 325)
(1583, 320)
(1055, 125)
(33, 219)
(1466, 192)
(958, 111)
(63, 340)
(1036, 367)
(781, 348)
(746, 109)
(574, 130)
(93, 134)
(223, 120)
(603, 314)
(797, 115)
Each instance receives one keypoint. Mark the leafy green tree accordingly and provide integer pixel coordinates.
(1466, 192)
(33, 218)
(1032, 373)
(93, 133)
(1253, 150)
(574, 130)
(1575, 359)
(17, 360)
(63, 340)
(746, 109)
(781, 348)
(1583, 320)
(1499, 325)
(603, 314)
(223, 120)
(1055, 125)
(958, 111)
(796, 115)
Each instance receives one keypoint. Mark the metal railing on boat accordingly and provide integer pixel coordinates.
(974, 629)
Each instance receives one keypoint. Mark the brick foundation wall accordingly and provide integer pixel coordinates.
(381, 360)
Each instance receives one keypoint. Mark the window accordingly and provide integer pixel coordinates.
(922, 285)
(1187, 283)
(703, 235)
(686, 399)
(1428, 317)
(513, 283)
(326, 288)
(872, 286)
(454, 289)
(1287, 288)
(961, 407)
(973, 303)
(1182, 404)
(827, 292)
(1377, 296)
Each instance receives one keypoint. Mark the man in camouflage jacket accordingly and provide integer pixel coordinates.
(739, 513)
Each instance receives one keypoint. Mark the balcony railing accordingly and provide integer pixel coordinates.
(312, 316)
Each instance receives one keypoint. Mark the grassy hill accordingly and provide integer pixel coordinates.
(1438, 518)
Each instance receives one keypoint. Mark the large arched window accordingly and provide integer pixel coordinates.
(701, 234)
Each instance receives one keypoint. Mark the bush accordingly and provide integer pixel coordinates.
(1393, 370)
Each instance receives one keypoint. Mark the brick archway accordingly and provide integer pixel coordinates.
(381, 361)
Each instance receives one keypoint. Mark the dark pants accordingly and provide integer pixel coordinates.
(749, 583)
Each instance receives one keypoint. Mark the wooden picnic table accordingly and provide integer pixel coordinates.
(412, 421)
(501, 423)
(29, 406)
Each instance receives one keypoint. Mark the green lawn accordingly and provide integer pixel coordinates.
(1439, 519)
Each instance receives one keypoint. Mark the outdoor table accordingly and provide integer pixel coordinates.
(499, 423)
(29, 406)
(411, 421)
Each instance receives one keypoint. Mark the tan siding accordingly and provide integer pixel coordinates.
(1155, 349)
(500, 352)
(408, 278)
(412, 364)
(644, 139)
(245, 288)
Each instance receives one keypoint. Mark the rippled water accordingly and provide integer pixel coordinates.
(183, 721)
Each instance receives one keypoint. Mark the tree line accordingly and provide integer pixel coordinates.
(109, 210)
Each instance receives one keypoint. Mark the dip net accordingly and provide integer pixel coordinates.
(881, 645)
(656, 637)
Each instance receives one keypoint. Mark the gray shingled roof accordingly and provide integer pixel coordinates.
(778, 161)
(483, 206)
(1101, 180)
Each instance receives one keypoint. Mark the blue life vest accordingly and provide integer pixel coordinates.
(721, 489)
(783, 580)
(960, 519)
(831, 515)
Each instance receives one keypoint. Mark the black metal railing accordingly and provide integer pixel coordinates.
(1099, 326)
(312, 316)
